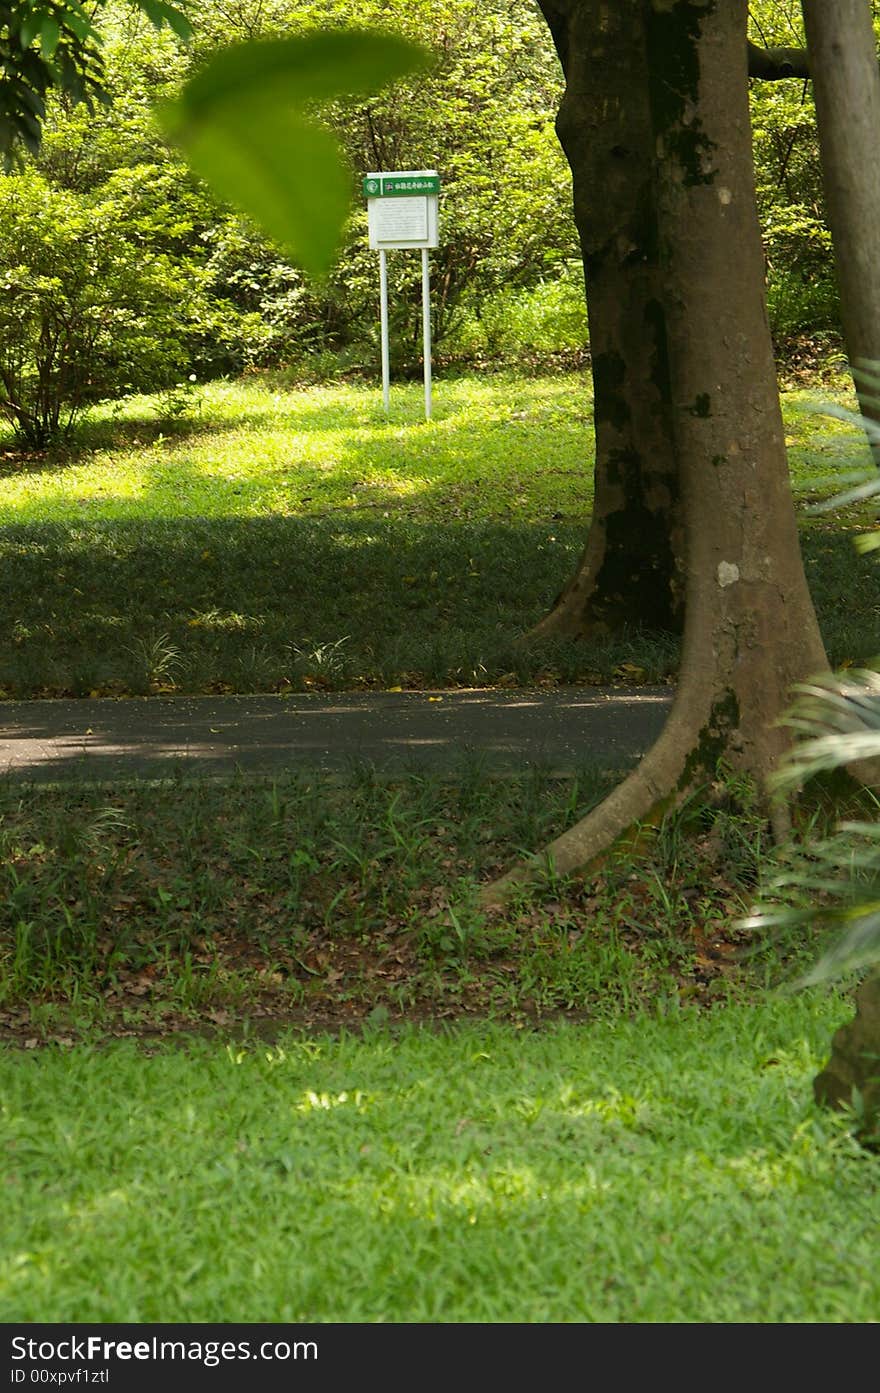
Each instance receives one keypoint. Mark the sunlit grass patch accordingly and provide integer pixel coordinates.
(822, 450)
(661, 1170)
(427, 548)
(504, 444)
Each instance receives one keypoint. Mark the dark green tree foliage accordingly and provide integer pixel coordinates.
(507, 278)
(55, 46)
(507, 271)
(483, 115)
(802, 295)
(245, 120)
(44, 47)
(85, 311)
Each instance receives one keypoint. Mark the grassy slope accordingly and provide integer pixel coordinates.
(283, 539)
(666, 1170)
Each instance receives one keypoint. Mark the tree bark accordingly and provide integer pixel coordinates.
(846, 87)
(776, 64)
(750, 627)
(630, 573)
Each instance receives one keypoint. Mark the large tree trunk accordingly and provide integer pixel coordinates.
(854, 1065)
(846, 86)
(631, 570)
(750, 628)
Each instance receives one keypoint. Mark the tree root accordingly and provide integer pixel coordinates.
(657, 784)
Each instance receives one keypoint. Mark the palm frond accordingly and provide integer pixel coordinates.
(835, 881)
(837, 718)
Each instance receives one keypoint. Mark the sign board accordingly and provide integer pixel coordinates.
(402, 212)
(401, 184)
(401, 222)
(402, 208)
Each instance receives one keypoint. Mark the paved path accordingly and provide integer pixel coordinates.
(157, 736)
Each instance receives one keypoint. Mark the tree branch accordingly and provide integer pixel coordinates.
(773, 64)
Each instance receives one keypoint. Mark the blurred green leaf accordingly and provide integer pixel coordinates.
(837, 720)
(159, 13)
(79, 23)
(50, 33)
(284, 171)
(318, 66)
(241, 125)
(29, 28)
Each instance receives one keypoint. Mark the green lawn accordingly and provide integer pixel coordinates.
(283, 538)
(651, 1170)
(496, 447)
(653, 1157)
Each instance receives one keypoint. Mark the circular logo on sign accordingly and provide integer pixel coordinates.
(372, 186)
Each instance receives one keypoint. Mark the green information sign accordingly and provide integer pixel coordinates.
(401, 185)
(403, 215)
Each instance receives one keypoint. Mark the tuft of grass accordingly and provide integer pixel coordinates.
(668, 1169)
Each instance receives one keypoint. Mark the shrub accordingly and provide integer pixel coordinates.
(85, 312)
(548, 319)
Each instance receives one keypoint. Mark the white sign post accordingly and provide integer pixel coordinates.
(402, 212)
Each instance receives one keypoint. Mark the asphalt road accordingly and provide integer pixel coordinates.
(154, 737)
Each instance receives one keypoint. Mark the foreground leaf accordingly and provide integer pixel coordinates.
(311, 67)
(158, 12)
(242, 126)
(292, 181)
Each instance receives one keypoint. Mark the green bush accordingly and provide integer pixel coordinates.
(799, 305)
(550, 318)
(85, 311)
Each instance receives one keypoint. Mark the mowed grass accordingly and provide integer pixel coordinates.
(656, 1170)
(280, 538)
(655, 1157)
(254, 448)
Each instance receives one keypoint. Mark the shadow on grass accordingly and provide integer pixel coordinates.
(284, 603)
(266, 604)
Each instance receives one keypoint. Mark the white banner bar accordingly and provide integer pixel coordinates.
(426, 329)
(383, 311)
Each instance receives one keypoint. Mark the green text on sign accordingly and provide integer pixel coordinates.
(395, 186)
